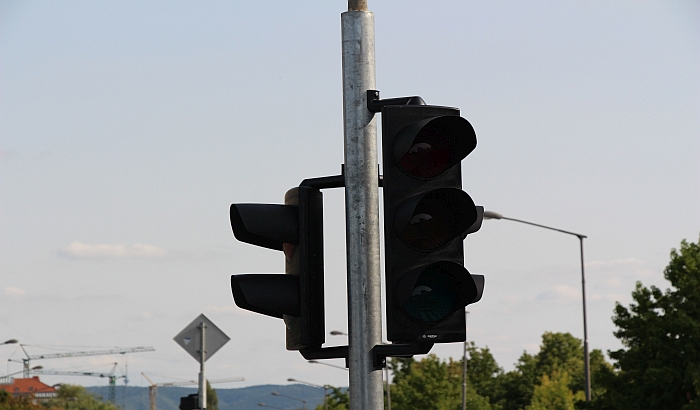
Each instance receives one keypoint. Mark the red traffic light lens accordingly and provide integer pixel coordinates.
(431, 221)
(428, 149)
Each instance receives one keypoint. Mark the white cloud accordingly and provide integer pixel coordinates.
(560, 293)
(14, 292)
(103, 250)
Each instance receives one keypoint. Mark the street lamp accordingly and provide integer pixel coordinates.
(464, 366)
(9, 342)
(586, 358)
(324, 387)
(274, 393)
(386, 372)
(271, 407)
(328, 364)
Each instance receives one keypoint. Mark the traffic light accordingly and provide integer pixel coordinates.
(190, 402)
(426, 218)
(296, 229)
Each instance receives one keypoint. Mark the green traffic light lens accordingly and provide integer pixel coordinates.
(434, 296)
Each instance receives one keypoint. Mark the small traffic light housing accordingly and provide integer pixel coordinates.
(426, 218)
(190, 402)
(296, 228)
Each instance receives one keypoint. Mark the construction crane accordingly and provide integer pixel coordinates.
(112, 378)
(153, 388)
(25, 361)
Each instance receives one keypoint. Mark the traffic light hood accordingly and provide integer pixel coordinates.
(426, 149)
(266, 225)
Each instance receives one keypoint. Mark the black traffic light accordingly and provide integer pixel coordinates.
(426, 218)
(296, 228)
(190, 402)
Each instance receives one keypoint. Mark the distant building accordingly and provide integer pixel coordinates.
(31, 388)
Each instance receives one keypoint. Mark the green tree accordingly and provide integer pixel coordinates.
(212, 399)
(431, 384)
(72, 397)
(338, 399)
(554, 393)
(659, 365)
(483, 372)
(7, 402)
(560, 353)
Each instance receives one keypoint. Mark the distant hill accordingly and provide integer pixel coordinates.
(245, 398)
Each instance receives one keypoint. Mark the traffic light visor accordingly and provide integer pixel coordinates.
(267, 225)
(273, 295)
(430, 221)
(432, 293)
(427, 149)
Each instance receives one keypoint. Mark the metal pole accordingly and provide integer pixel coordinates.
(464, 368)
(361, 206)
(388, 389)
(202, 393)
(586, 357)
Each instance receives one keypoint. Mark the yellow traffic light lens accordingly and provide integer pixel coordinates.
(431, 221)
(431, 227)
(425, 161)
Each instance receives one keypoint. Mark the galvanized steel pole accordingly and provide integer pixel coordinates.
(361, 207)
(586, 357)
(202, 391)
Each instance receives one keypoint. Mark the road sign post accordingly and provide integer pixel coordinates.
(201, 339)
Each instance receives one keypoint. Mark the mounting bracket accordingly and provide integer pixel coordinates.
(374, 104)
(381, 352)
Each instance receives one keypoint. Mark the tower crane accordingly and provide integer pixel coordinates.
(118, 350)
(153, 388)
(112, 378)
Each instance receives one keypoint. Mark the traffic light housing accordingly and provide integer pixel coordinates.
(296, 229)
(189, 402)
(426, 218)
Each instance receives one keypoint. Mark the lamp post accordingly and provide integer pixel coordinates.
(328, 364)
(464, 367)
(270, 407)
(581, 237)
(303, 402)
(386, 372)
(324, 387)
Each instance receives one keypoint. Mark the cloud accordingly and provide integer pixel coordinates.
(14, 292)
(560, 293)
(102, 250)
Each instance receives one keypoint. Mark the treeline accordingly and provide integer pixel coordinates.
(70, 397)
(658, 367)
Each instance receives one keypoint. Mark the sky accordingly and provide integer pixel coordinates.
(127, 128)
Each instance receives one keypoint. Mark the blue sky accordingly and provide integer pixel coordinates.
(127, 128)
